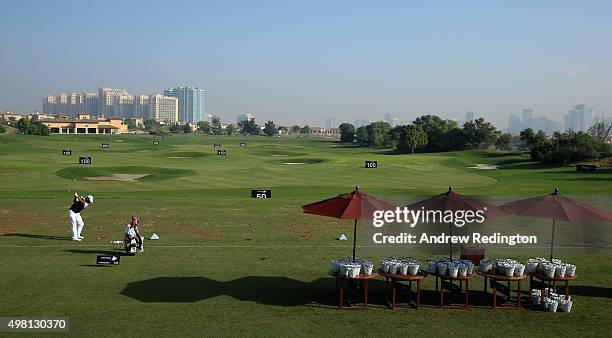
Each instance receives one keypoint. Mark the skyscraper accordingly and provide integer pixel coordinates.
(245, 117)
(528, 118)
(191, 101)
(109, 102)
(580, 118)
(71, 104)
(330, 122)
(514, 124)
(470, 116)
(163, 108)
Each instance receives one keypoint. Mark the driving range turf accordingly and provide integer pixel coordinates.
(227, 264)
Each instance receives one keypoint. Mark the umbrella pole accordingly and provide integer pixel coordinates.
(450, 247)
(354, 239)
(552, 242)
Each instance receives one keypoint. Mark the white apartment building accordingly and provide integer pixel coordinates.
(111, 100)
(163, 108)
(245, 117)
(71, 104)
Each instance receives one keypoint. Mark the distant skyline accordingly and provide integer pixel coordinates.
(305, 62)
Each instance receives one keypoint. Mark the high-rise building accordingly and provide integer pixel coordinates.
(245, 117)
(163, 108)
(111, 102)
(190, 103)
(470, 116)
(330, 122)
(141, 107)
(580, 118)
(527, 118)
(71, 104)
(514, 124)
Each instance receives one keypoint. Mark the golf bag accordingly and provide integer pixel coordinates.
(132, 240)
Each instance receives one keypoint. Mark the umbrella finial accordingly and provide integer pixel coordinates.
(450, 189)
(356, 188)
(556, 191)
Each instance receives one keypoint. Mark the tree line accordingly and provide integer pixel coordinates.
(430, 133)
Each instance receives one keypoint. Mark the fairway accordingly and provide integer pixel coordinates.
(227, 264)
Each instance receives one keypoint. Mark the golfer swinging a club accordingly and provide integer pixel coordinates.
(74, 215)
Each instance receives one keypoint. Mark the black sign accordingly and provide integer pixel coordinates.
(108, 259)
(84, 160)
(105, 145)
(371, 164)
(67, 152)
(243, 144)
(261, 193)
(217, 146)
(585, 167)
(221, 152)
(156, 142)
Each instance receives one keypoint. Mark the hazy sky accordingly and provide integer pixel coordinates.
(303, 61)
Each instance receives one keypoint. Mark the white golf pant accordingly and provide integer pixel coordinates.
(76, 222)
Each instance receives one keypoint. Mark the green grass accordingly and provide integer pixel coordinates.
(227, 264)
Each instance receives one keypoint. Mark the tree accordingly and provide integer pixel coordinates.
(2, 129)
(527, 137)
(131, 124)
(204, 127)
(361, 135)
(504, 142)
(248, 127)
(270, 129)
(305, 130)
(408, 138)
(379, 134)
(216, 125)
(347, 132)
(438, 134)
(151, 124)
(23, 125)
(600, 131)
(175, 128)
(295, 129)
(187, 129)
(480, 133)
(230, 129)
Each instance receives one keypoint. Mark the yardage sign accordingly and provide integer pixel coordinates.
(105, 145)
(67, 152)
(217, 146)
(261, 193)
(108, 259)
(221, 152)
(243, 144)
(371, 164)
(84, 160)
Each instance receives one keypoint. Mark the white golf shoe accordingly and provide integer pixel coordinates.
(76, 239)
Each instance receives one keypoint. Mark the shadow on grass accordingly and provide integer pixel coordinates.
(278, 291)
(590, 291)
(57, 238)
(117, 252)
(284, 291)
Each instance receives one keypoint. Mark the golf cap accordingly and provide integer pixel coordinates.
(90, 198)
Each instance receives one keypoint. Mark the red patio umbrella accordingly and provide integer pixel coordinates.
(453, 201)
(557, 207)
(354, 205)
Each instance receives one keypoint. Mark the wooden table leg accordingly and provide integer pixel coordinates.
(485, 283)
(509, 292)
(386, 288)
(542, 285)
(494, 293)
(530, 288)
(566, 289)
(393, 285)
(518, 305)
(364, 285)
(418, 295)
(467, 292)
(441, 292)
(340, 294)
